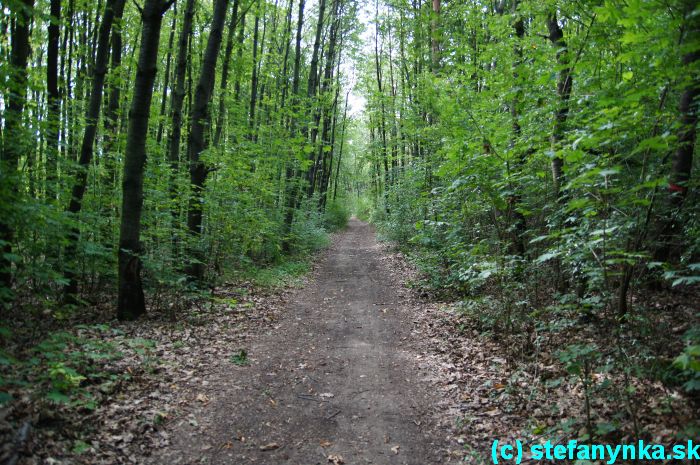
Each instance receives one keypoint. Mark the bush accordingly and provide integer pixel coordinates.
(336, 216)
(308, 231)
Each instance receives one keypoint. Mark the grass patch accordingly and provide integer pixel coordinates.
(288, 273)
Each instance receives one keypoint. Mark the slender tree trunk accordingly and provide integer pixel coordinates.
(340, 151)
(313, 67)
(201, 117)
(224, 74)
(54, 99)
(13, 135)
(131, 303)
(111, 114)
(291, 184)
(435, 36)
(285, 60)
(178, 95)
(177, 100)
(166, 84)
(91, 120)
(682, 162)
(514, 201)
(382, 107)
(561, 112)
(318, 168)
(239, 59)
(254, 78)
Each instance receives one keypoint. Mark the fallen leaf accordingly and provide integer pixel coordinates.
(395, 449)
(270, 446)
(336, 459)
(325, 443)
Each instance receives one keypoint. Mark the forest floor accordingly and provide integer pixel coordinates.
(355, 363)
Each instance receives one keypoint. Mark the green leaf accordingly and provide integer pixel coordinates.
(5, 398)
(58, 397)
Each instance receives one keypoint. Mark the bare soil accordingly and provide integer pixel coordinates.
(340, 378)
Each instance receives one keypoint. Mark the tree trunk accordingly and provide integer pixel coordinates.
(92, 115)
(131, 303)
(435, 36)
(54, 99)
(166, 84)
(111, 114)
(514, 201)
(12, 147)
(682, 163)
(319, 168)
(224, 74)
(564, 85)
(201, 117)
(291, 184)
(239, 59)
(382, 109)
(313, 67)
(340, 151)
(178, 95)
(254, 78)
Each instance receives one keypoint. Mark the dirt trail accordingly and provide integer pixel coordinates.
(337, 377)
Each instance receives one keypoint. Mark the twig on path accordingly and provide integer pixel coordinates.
(309, 397)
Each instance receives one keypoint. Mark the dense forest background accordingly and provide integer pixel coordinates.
(534, 159)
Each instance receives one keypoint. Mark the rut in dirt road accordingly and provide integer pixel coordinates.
(335, 380)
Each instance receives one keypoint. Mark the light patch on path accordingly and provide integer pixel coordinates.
(336, 379)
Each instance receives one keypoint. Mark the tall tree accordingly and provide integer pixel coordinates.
(113, 10)
(54, 98)
(201, 119)
(225, 65)
(14, 133)
(131, 303)
(564, 86)
(178, 95)
(290, 183)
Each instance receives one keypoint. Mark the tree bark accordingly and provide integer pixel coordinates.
(319, 167)
(435, 36)
(340, 151)
(111, 115)
(201, 118)
(561, 112)
(514, 201)
(92, 114)
(12, 147)
(224, 74)
(178, 95)
(166, 84)
(682, 162)
(131, 303)
(54, 99)
(291, 184)
(239, 59)
(254, 78)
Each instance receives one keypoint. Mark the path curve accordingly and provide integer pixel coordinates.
(336, 381)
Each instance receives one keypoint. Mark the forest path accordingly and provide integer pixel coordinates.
(336, 381)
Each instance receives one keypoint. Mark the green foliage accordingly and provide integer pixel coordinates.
(308, 230)
(285, 273)
(688, 362)
(336, 216)
(458, 168)
(240, 358)
(74, 369)
(254, 170)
